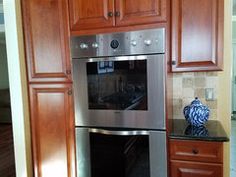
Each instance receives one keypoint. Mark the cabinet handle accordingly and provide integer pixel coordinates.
(195, 151)
(110, 14)
(69, 92)
(117, 14)
(68, 71)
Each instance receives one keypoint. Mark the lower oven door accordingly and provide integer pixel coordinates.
(126, 91)
(112, 153)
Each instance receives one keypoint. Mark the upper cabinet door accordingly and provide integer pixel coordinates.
(47, 40)
(136, 12)
(197, 35)
(90, 14)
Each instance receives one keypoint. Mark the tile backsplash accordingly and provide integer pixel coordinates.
(187, 86)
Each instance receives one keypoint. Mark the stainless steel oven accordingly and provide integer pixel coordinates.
(119, 95)
(119, 79)
(120, 153)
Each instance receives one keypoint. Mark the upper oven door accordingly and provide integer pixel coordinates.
(127, 91)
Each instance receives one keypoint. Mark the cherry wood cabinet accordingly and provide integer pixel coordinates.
(197, 35)
(91, 14)
(195, 169)
(52, 127)
(133, 12)
(197, 151)
(47, 34)
(46, 31)
(98, 15)
(196, 158)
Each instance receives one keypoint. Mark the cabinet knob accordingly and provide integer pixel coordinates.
(69, 92)
(110, 14)
(117, 14)
(195, 151)
(68, 71)
(173, 62)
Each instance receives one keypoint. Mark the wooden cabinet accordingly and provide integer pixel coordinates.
(197, 35)
(195, 169)
(134, 12)
(52, 130)
(102, 14)
(196, 158)
(46, 34)
(91, 14)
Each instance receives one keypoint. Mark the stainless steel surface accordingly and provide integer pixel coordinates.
(151, 41)
(158, 154)
(157, 151)
(153, 118)
(119, 132)
(83, 152)
(146, 45)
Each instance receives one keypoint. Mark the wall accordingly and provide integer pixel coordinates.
(4, 81)
(187, 86)
(234, 65)
(224, 87)
(18, 88)
(234, 79)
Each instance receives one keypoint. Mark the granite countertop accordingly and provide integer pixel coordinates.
(212, 131)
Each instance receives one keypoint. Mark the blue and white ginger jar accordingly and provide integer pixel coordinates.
(196, 113)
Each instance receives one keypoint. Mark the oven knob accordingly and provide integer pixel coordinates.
(133, 43)
(114, 44)
(147, 42)
(83, 46)
(95, 45)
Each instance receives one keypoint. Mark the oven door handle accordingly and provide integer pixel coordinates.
(119, 132)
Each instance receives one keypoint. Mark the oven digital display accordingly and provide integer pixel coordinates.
(117, 85)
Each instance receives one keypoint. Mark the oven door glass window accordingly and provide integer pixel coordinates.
(117, 85)
(119, 156)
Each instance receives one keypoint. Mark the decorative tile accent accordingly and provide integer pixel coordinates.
(187, 86)
(188, 93)
(212, 73)
(212, 104)
(200, 74)
(188, 82)
(200, 82)
(200, 93)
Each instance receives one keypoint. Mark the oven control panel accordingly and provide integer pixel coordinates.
(151, 41)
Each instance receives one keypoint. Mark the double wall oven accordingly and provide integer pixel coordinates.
(119, 95)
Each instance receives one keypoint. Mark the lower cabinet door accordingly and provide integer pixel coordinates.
(52, 128)
(195, 169)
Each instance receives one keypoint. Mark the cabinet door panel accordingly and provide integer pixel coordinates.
(135, 12)
(46, 40)
(91, 14)
(195, 169)
(52, 130)
(197, 35)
